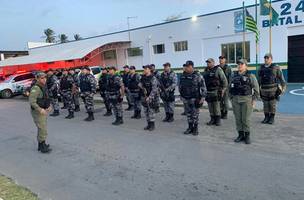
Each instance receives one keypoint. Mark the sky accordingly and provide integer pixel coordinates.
(24, 20)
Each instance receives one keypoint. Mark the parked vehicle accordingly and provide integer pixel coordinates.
(15, 84)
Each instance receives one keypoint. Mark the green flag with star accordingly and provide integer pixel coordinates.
(267, 9)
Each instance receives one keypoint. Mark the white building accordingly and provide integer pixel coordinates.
(210, 35)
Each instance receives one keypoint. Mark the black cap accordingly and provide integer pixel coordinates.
(222, 57)
(167, 64)
(184, 65)
(189, 62)
(126, 66)
(133, 67)
(86, 67)
(112, 67)
(147, 66)
(152, 66)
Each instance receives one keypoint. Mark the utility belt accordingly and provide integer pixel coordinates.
(268, 98)
(270, 86)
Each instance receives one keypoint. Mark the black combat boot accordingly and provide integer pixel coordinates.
(240, 138)
(70, 116)
(45, 148)
(148, 126)
(224, 114)
(135, 114)
(167, 117)
(77, 108)
(118, 121)
(90, 117)
(55, 113)
(247, 138)
(266, 119)
(138, 115)
(171, 118)
(152, 126)
(108, 113)
(184, 113)
(40, 144)
(271, 119)
(217, 120)
(195, 130)
(190, 129)
(212, 121)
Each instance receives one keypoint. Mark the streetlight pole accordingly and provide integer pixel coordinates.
(128, 21)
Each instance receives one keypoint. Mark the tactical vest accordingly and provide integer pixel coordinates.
(241, 85)
(65, 83)
(212, 81)
(225, 69)
(43, 102)
(113, 85)
(189, 87)
(125, 79)
(50, 82)
(268, 75)
(85, 85)
(133, 83)
(146, 82)
(103, 81)
(166, 80)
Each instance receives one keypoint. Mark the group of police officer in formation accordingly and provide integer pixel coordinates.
(216, 85)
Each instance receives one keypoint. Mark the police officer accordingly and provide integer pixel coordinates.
(167, 84)
(181, 98)
(216, 84)
(115, 94)
(224, 103)
(273, 85)
(75, 89)
(103, 85)
(156, 73)
(133, 88)
(148, 85)
(125, 78)
(52, 84)
(40, 106)
(66, 87)
(193, 90)
(244, 91)
(87, 84)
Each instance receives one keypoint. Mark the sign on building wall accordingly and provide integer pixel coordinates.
(238, 21)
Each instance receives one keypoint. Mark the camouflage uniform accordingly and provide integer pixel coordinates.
(125, 77)
(53, 88)
(192, 89)
(75, 92)
(87, 84)
(167, 84)
(157, 97)
(148, 84)
(134, 90)
(103, 85)
(216, 82)
(66, 86)
(115, 86)
(272, 84)
(224, 103)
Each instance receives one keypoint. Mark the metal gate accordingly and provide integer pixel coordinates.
(296, 59)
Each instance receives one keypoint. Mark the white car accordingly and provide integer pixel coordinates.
(15, 84)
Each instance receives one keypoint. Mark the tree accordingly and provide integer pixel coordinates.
(77, 37)
(63, 38)
(49, 35)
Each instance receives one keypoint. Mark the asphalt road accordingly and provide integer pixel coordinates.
(292, 102)
(98, 161)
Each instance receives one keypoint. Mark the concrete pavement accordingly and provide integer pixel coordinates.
(98, 161)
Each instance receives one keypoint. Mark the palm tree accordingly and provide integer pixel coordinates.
(63, 38)
(77, 37)
(49, 35)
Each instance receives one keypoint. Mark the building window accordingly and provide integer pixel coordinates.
(181, 46)
(159, 48)
(108, 55)
(135, 52)
(234, 51)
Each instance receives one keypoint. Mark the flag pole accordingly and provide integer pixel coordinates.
(270, 27)
(244, 31)
(256, 41)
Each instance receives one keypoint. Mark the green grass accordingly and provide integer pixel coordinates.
(10, 191)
